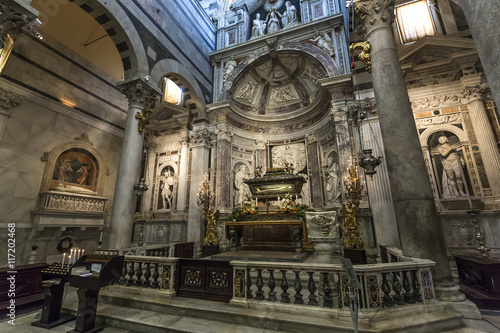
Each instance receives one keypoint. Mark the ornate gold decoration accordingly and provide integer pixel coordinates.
(205, 199)
(8, 45)
(364, 56)
(239, 283)
(355, 193)
(143, 119)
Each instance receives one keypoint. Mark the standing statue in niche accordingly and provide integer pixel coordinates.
(453, 183)
(240, 188)
(167, 190)
(289, 17)
(273, 22)
(259, 27)
(332, 179)
(324, 41)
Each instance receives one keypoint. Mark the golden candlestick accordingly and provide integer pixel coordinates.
(355, 193)
(205, 199)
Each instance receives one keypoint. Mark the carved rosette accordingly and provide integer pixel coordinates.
(140, 94)
(373, 14)
(8, 101)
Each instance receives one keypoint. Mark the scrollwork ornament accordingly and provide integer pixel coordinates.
(373, 14)
(143, 117)
(364, 56)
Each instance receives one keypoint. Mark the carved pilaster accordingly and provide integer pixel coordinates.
(374, 14)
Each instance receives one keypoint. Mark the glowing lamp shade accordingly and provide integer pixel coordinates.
(171, 92)
(414, 21)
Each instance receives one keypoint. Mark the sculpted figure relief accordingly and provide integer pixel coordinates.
(273, 22)
(332, 179)
(230, 66)
(453, 183)
(324, 41)
(259, 27)
(247, 92)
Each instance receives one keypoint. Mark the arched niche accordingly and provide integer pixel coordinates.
(241, 170)
(167, 180)
(74, 167)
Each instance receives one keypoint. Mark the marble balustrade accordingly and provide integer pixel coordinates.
(157, 250)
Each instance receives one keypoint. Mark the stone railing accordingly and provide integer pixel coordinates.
(327, 286)
(59, 201)
(149, 272)
(184, 250)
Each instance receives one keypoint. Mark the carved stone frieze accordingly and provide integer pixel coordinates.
(62, 202)
(373, 14)
(429, 81)
(140, 94)
(440, 120)
(9, 100)
(435, 102)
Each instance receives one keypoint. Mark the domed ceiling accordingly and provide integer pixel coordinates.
(280, 83)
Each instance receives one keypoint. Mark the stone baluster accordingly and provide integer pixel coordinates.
(138, 273)
(123, 279)
(311, 286)
(285, 298)
(249, 285)
(484, 135)
(387, 301)
(131, 273)
(416, 287)
(408, 295)
(156, 274)
(259, 294)
(327, 298)
(298, 288)
(147, 275)
(396, 287)
(140, 96)
(416, 213)
(271, 285)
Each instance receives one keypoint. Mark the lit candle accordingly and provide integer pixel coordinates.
(64, 256)
(82, 252)
(78, 254)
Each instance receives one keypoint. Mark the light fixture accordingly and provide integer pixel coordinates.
(140, 188)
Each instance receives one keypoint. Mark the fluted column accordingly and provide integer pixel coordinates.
(200, 148)
(140, 95)
(484, 135)
(417, 218)
(482, 18)
(379, 188)
(224, 173)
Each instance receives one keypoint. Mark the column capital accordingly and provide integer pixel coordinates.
(261, 144)
(139, 93)
(311, 137)
(340, 113)
(224, 133)
(374, 14)
(8, 101)
(472, 93)
(14, 14)
(200, 138)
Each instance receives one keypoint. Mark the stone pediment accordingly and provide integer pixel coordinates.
(436, 50)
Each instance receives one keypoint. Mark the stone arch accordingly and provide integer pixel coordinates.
(424, 137)
(77, 145)
(308, 50)
(114, 20)
(175, 70)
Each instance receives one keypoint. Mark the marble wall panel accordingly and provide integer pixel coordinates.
(28, 185)
(16, 132)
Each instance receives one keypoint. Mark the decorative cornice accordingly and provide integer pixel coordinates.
(439, 120)
(373, 14)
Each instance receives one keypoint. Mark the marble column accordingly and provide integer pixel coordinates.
(484, 135)
(200, 148)
(140, 95)
(482, 18)
(418, 221)
(182, 185)
(224, 173)
(379, 188)
(314, 171)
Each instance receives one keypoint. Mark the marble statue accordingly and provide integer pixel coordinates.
(259, 27)
(230, 66)
(328, 225)
(240, 189)
(167, 190)
(273, 22)
(332, 179)
(289, 17)
(453, 183)
(324, 41)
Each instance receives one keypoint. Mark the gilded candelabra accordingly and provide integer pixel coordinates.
(355, 193)
(206, 200)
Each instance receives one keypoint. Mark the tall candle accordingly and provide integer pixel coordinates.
(64, 256)
(100, 237)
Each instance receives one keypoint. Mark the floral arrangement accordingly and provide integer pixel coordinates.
(235, 214)
(248, 206)
(301, 211)
(287, 204)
